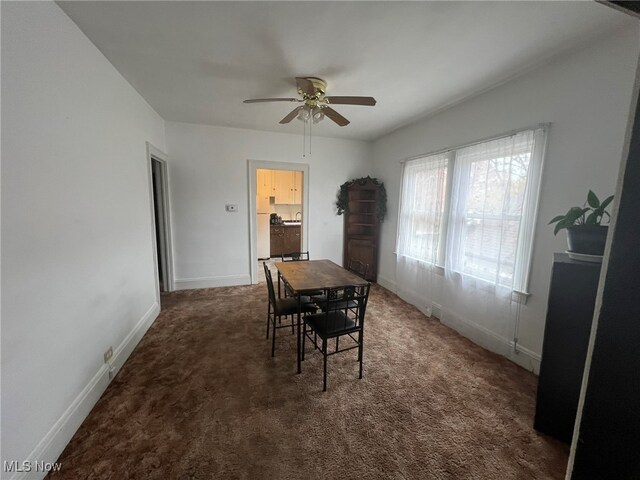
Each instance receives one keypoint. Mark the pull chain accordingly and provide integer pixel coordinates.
(310, 125)
(304, 137)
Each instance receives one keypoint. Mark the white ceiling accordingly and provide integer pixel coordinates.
(196, 61)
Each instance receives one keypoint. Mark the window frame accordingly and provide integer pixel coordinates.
(446, 210)
(519, 286)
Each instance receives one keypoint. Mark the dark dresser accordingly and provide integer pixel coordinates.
(572, 297)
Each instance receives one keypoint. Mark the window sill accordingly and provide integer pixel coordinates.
(520, 297)
(423, 264)
(516, 296)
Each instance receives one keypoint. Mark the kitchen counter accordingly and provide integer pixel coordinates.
(285, 238)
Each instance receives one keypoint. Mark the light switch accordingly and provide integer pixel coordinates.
(231, 207)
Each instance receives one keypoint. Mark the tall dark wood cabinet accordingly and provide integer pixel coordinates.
(362, 227)
(572, 297)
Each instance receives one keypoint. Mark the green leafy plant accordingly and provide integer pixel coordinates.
(342, 201)
(592, 212)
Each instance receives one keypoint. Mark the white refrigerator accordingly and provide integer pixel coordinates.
(263, 227)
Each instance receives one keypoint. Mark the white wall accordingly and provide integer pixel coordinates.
(586, 95)
(77, 259)
(208, 168)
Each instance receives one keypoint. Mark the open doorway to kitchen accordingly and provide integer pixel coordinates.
(278, 217)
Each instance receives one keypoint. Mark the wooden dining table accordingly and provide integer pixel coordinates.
(305, 277)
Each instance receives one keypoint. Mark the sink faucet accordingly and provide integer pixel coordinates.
(298, 213)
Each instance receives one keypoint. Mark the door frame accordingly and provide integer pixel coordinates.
(154, 153)
(252, 167)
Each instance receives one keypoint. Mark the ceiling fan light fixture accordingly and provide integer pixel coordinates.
(318, 115)
(315, 105)
(304, 115)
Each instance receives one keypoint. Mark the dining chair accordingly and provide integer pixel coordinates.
(281, 307)
(342, 315)
(291, 257)
(359, 268)
(294, 256)
(355, 266)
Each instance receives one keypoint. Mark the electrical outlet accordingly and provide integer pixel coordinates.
(108, 354)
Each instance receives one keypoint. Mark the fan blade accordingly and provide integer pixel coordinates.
(292, 114)
(367, 101)
(335, 116)
(260, 100)
(306, 86)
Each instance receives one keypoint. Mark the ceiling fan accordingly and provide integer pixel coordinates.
(315, 103)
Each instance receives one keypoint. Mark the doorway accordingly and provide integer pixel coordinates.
(279, 209)
(278, 199)
(161, 225)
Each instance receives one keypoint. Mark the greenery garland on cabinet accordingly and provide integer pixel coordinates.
(342, 201)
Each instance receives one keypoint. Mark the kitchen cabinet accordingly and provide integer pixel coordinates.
(264, 183)
(277, 241)
(292, 239)
(297, 188)
(287, 187)
(285, 239)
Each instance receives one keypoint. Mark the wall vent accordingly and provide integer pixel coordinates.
(436, 311)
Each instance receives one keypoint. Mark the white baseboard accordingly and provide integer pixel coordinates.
(211, 282)
(57, 438)
(495, 343)
(474, 332)
(386, 283)
(526, 358)
(407, 295)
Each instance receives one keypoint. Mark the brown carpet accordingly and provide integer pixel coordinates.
(201, 398)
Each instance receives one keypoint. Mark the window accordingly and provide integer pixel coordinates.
(472, 210)
(423, 206)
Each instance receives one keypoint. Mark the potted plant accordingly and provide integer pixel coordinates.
(585, 232)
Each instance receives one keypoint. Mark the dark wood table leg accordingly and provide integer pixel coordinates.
(279, 284)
